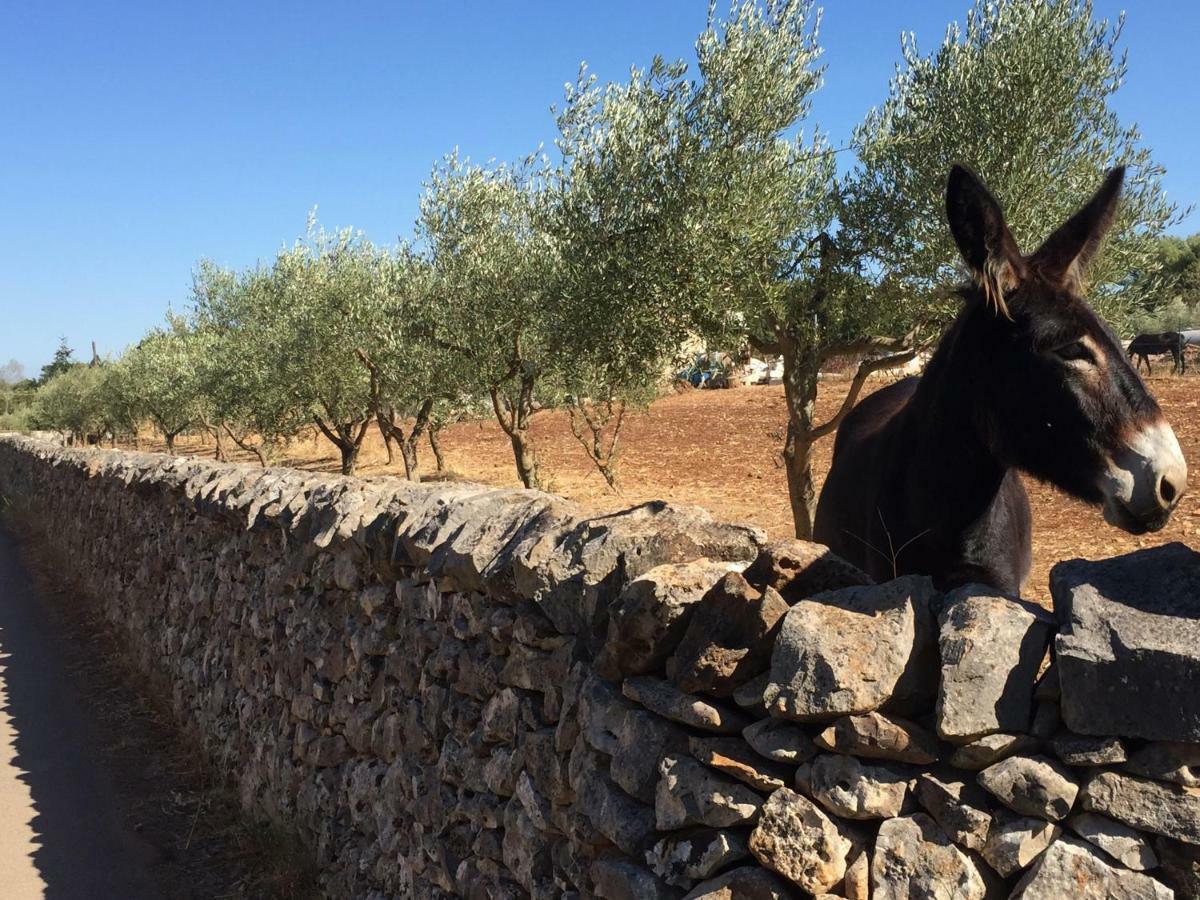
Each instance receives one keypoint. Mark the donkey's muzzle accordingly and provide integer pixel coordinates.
(1145, 480)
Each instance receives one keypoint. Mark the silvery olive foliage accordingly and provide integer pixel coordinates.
(1021, 92)
(163, 378)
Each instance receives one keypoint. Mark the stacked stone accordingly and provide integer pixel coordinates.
(458, 691)
(895, 742)
(392, 671)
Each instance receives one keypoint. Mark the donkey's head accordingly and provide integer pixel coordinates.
(1057, 396)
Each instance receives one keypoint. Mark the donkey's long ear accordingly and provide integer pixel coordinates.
(1067, 252)
(987, 246)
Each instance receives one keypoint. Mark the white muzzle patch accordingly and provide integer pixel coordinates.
(1144, 481)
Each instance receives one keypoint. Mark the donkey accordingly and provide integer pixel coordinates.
(925, 472)
(1146, 345)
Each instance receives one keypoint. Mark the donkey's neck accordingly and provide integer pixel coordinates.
(950, 467)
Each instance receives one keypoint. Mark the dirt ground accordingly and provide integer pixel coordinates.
(720, 450)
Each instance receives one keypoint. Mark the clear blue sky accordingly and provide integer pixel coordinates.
(138, 137)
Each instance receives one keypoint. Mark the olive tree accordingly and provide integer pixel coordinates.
(71, 402)
(615, 214)
(492, 267)
(306, 324)
(161, 378)
(1021, 93)
(412, 377)
(246, 397)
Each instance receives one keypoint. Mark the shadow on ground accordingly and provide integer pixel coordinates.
(58, 806)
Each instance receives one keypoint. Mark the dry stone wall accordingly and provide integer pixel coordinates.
(450, 690)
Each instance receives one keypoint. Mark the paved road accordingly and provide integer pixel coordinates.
(60, 833)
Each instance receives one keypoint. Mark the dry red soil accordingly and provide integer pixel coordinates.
(720, 450)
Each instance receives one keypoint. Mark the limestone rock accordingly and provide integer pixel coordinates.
(960, 808)
(914, 860)
(848, 788)
(794, 838)
(1015, 842)
(1087, 750)
(800, 569)
(642, 740)
(989, 750)
(746, 883)
(692, 794)
(734, 757)
(1128, 653)
(1128, 847)
(649, 617)
(857, 883)
(617, 878)
(877, 736)
(668, 701)
(1047, 720)
(855, 650)
(749, 696)
(1167, 761)
(1032, 786)
(991, 647)
(1071, 869)
(612, 812)
(1165, 809)
(1179, 866)
(780, 741)
(685, 857)
(728, 640)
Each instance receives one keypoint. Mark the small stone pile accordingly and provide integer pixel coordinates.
(814, 734)
(456, 691)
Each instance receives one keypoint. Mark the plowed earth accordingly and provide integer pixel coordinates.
(720, 450)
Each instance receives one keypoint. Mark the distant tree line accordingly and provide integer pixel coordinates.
(682, 202)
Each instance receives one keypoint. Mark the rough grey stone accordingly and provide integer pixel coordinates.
(853, 790)
(986, 751)
(685, 857)
(1179, 866)
(617, 878)
(734, 757)
(1167, 761)
(800, 569)
(649, 617)
(692, 794)
(960, 808)
(855, 650)
(877, 736)
(745, 883)
(1032, 786)
(668, 701)
(1072, 869)
(728, 640)
(1128, 652)
(991, 647)
(1127, 846)
(1047, 720)
(794, 838)
(914, 859)
(749, 696)
(1015, 842)
(1087, 750)
(1166, 809)
(780, 741)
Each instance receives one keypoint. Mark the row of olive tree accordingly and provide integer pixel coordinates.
(680, 204)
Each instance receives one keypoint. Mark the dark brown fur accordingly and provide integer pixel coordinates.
(925, 472)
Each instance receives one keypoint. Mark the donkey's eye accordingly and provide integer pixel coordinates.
(1073, 351)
